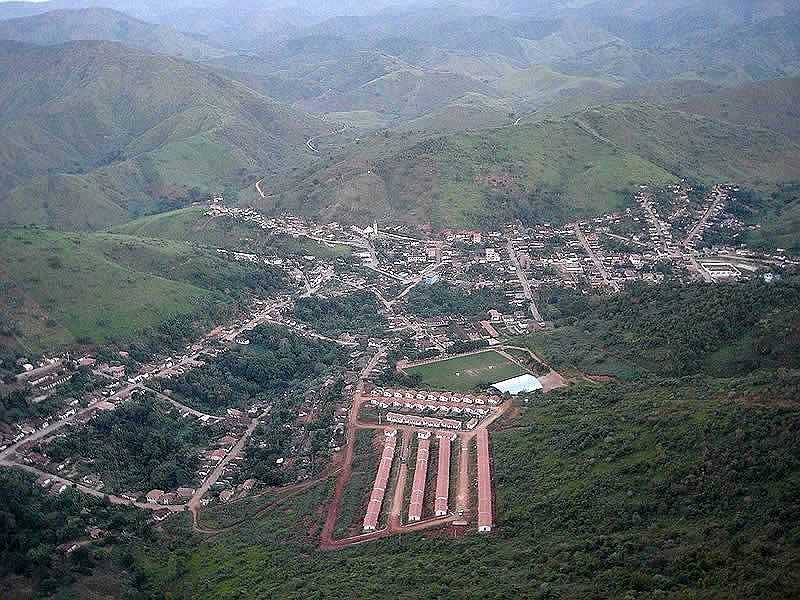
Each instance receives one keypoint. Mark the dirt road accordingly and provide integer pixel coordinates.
(464, 487)
(346, 472)
(194, 503)
(395, 514)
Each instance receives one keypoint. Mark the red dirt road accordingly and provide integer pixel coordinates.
(400, 487)
(463, 493)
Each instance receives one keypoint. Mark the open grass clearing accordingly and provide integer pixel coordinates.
(466, 373)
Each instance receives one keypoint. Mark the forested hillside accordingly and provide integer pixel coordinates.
(676, 330)
(96, 133)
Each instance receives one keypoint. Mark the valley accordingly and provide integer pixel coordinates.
(473, 299)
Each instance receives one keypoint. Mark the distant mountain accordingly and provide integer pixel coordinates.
(765, 50)
(15, 10)
(59, 26)
(95, 132)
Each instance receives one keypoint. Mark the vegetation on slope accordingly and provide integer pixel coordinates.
(777, 216)
(583, 164)
(96, 132)
(33, 524)
(97, 288)
(193, 226)
(643, 490)
(676, 330)
(275, 361)
(96, 23)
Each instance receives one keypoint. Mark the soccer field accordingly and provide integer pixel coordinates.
(467, 372)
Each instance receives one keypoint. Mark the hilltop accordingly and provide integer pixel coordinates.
(96, 133)
(582, 164)
(60, 26)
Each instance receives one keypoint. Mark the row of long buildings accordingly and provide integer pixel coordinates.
(381, 481)
(477, 411)
(420, 476)
(418, 421)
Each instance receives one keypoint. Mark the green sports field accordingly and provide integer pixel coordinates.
(467, 372)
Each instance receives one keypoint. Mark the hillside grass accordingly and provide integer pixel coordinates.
(590, 162)
(84, 152)
(88, 296)
(193, 226)
(99, 288)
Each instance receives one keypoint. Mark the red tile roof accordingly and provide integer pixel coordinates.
(485, 518)
(443, 477)
(379, 487)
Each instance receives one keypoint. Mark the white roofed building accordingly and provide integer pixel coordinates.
(517, 385)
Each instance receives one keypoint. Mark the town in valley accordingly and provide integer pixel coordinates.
(423, 390)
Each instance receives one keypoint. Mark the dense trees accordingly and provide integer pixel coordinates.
(442, 299)
(141, 445)
(275, 361)
(679, 329)
(33, 524)
(17, 404)
(353, 313)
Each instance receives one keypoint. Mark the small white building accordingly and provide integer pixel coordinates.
(517, 385)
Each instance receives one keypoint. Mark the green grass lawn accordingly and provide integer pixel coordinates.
(468, 372)
(86, 294)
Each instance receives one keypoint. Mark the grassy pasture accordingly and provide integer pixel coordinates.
(467, 372)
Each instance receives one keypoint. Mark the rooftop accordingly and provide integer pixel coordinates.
(518, 385)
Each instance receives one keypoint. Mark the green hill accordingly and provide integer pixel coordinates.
(60, 26)
(191, 225)
(768, 104)
(673, 330)
(95, 133)
(582, 164)
(63, 288)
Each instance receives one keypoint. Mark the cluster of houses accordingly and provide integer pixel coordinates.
(51, 485)
(180, 496)
(474, 411)
(397, 394)
(427, 422)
